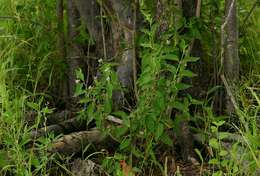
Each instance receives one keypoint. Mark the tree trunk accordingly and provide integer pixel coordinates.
(63, 86)
(74, 51)
(231, 58)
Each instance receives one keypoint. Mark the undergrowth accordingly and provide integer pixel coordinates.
(29, 68)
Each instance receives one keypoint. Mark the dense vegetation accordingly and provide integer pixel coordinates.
(148, 87)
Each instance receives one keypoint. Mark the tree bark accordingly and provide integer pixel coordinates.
(74, 51)
(231, 60)
(63, 86)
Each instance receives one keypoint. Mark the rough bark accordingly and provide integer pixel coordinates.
(231, 58)
(89, 13)
(124, 13)
(63, 87)
(74, 50)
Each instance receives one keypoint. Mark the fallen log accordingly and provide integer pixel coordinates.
(76, 142)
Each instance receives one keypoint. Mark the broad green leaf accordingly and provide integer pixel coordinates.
(213, 161)
(223, 153)
(171, 57)
(214, 129)
(79, 75)
(79, 90)
(214, 143)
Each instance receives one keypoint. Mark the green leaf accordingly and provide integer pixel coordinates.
(125, 143)
(219, 123)
(120, 131)
(166, 139)
(32, 105)
(180, 106)
(108, 105)
(79, 90)
(90, 110)
(223, 153)
(171, 68)
(79, 74)
(214, 89)
(150, 123)
(171, 57)
(223, 135)
(159, 131)
(187, 73)
(213, 161)
(214, 129)
(191, 59)
(182, 86)
(214, 143)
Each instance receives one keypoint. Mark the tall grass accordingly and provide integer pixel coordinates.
(25, 55)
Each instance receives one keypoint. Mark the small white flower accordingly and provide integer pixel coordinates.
(108, 79)
(77, 81)
(95, 78)
(90, 87)
(168, 42)
(100, 60)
